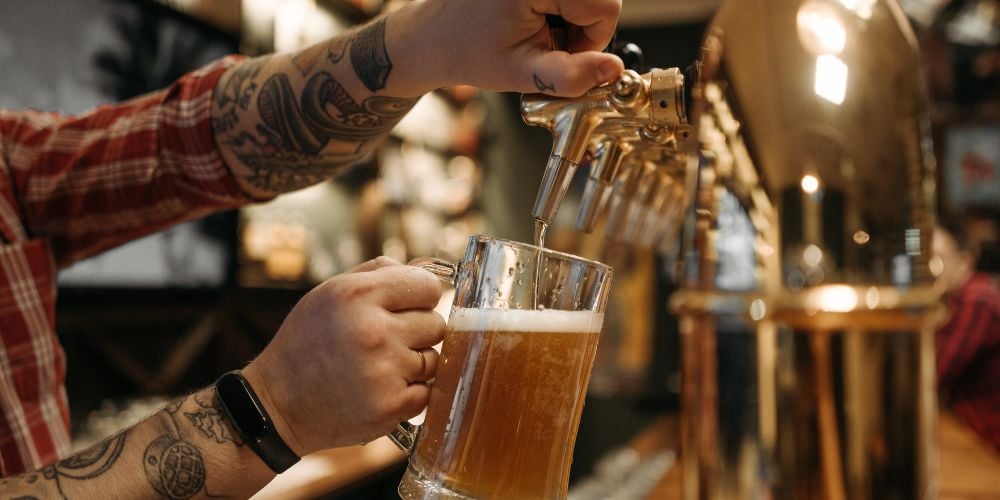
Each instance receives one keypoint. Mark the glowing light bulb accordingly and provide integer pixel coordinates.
(810, 183)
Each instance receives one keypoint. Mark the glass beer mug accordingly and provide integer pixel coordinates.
(506, 401)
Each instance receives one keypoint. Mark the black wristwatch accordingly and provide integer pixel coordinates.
(252, 422)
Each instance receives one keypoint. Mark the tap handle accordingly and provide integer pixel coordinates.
(631, 55)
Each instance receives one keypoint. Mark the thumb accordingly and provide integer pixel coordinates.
(564, 74)
(376, 263)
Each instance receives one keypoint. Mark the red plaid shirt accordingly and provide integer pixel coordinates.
(968, 357)
(73, 186)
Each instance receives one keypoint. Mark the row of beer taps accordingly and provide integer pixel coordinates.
(635, 137)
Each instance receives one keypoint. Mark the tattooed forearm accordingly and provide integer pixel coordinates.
(188, 449)
(51, 481)
(293, 120)
(174, 467)
(210, 419)
(237, 87)
(306, 121)
(92, 462)
(234, 93)
(369, 57)
(174, 464)
(288, 172)
(298, 130)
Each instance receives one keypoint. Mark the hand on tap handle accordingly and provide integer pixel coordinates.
(549, 46)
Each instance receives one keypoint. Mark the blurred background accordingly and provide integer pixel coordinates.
(168, 313)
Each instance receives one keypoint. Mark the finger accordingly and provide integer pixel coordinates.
(407, 287)
(376, 263)
(422, 365)
(419, 329)
(593, 22)
(569, 75)
(581, 39)
(413, 399)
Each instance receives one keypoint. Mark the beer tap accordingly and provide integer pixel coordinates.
(640, 203)
(654, 99)
(627, 187)
(609, 155)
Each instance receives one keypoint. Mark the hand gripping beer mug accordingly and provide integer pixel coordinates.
(506, 401)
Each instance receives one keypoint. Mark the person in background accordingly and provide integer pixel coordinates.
(968, 343)
(353, 357)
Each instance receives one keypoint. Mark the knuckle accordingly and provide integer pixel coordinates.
(370, 339)
(350, 290)
(427, 283)
(383, 261)
(387, 370)
(438, 327)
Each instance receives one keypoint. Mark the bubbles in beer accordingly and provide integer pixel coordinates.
(507, 342)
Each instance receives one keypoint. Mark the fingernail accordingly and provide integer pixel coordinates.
(607, 71)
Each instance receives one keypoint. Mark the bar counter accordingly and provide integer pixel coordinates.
(970, 470)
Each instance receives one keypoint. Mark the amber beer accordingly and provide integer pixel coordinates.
(505, 407)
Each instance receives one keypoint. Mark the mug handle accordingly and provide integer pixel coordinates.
(405, 434)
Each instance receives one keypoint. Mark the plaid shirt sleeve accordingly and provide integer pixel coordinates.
(96, 180)
(72, 186)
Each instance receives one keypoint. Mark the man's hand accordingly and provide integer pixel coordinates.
(506, 45)
(346, 365)
(286, 121)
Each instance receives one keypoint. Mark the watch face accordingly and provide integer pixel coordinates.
(244, 410)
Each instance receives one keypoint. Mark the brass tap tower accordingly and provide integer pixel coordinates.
(635, 113)
(807, 317)
(808, 303)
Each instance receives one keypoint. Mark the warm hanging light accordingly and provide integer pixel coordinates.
(861, 8)
(810, 183)
(831, 78)
(820, 29)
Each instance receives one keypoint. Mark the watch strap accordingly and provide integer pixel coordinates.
(250, 419)
(274, 452)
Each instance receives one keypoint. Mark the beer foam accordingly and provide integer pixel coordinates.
(521, 320)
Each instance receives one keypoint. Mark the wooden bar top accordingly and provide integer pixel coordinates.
(970, 470)
(330, 470)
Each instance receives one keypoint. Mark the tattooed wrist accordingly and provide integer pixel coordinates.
(173, 466)
(209, 419)
(166, 456)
